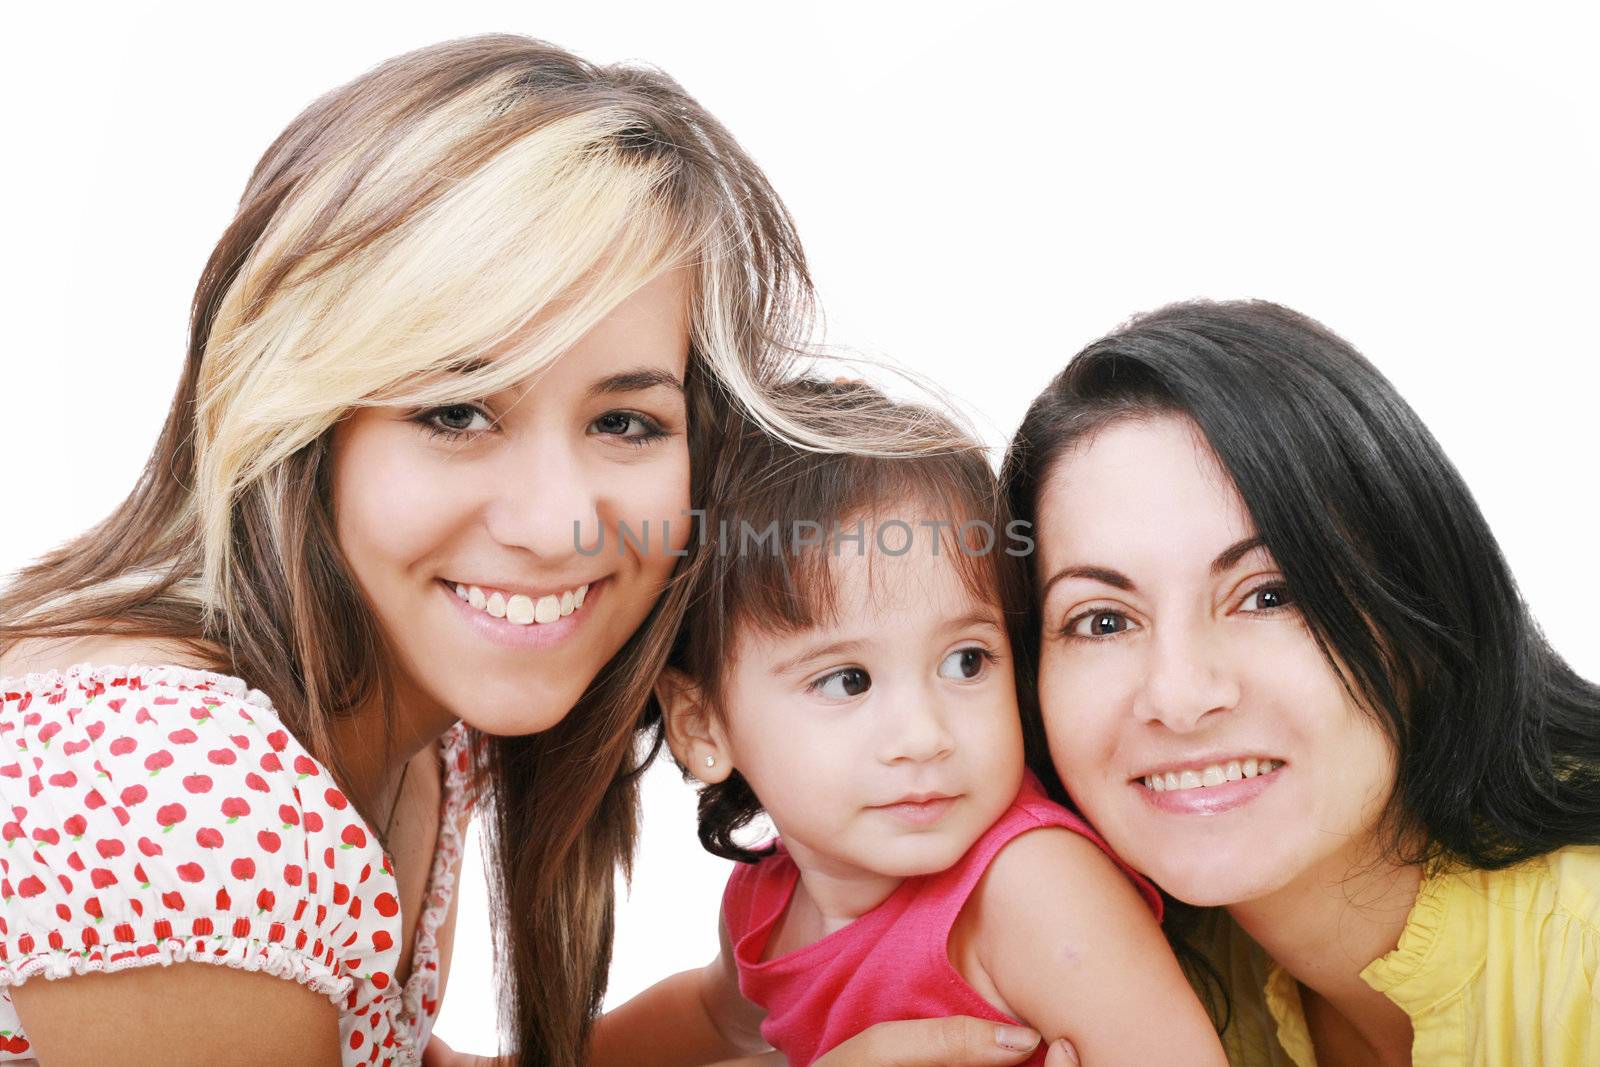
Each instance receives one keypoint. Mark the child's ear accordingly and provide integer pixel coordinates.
(694, 735)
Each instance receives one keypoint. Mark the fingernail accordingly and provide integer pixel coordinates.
(1015, 1038)
(1064, 1046)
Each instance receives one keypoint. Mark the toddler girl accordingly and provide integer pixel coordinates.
(845, 668)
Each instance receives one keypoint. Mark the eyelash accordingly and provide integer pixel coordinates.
(653, 430)
(989, 657)
(816, 684)
(1068, 629)
(425, 419)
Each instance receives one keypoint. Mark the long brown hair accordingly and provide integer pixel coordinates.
(419, 219)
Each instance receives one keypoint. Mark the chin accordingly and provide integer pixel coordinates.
(513, 710)
(925, 854)
(1213, 880)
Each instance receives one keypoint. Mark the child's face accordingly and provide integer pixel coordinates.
(845, 731)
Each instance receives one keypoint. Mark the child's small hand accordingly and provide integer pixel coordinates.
(956, 1041)
(439, 1054)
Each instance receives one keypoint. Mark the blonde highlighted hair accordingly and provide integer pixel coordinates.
(473, 207)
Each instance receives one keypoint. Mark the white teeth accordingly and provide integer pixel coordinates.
(519, 609)
(1211, 776)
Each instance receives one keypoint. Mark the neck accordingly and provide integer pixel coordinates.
(374, 753)
(836, 894)
(1326, 927)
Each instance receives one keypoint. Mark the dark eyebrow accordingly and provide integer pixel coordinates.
(1224, 562)
(634, 381)
(1105, 575)
(1234, 553)
(815, 652)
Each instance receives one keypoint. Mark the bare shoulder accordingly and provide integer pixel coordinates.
(1073, 948)
(187, 1013)
(37, 655)
(1074, 896)
(1050, 865)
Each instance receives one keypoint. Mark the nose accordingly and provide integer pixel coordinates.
(913, 728)
(538, 492)
(1188, 678)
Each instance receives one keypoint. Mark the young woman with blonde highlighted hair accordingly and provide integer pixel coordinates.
(475, 302)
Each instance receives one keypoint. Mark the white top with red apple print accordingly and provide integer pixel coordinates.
(154, 815)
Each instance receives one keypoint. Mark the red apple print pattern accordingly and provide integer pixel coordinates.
(157, 815)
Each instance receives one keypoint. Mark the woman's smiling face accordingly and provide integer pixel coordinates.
(1172, 650)
(458, 522)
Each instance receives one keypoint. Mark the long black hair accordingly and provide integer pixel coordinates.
(1390, 561)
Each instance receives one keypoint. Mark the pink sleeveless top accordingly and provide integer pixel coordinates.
(893, 962)
(158, 815)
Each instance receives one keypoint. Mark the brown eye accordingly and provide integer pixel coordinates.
(1096, 624)
(966, 663)
(1267, 598)
(843, 684)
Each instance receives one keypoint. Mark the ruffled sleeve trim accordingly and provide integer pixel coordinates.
(420, 995)
(247, 954)
(90, 677)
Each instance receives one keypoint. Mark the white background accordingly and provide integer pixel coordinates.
(982, 190)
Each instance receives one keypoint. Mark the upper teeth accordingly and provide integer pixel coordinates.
(1215, 774)
(521, 608)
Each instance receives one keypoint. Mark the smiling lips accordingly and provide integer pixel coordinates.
(1209, 776)
(521, 609)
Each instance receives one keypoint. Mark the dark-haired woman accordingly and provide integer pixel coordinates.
(1284, 669)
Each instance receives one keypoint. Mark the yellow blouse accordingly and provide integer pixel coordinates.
(1494, 968)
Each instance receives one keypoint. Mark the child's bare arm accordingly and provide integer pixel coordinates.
(695, 1017)
(1071, 946)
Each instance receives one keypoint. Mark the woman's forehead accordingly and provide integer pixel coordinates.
(1138, 487)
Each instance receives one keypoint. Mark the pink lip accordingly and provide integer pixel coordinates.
(509, 634)
(1208, 800)
(919, 813)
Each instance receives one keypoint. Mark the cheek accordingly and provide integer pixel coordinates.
(389, 512)
(795, 766)
(1084, 701)
(654, 498)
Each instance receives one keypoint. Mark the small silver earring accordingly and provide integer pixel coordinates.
(711, 761)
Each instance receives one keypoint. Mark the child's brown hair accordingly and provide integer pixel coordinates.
(776, 513)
